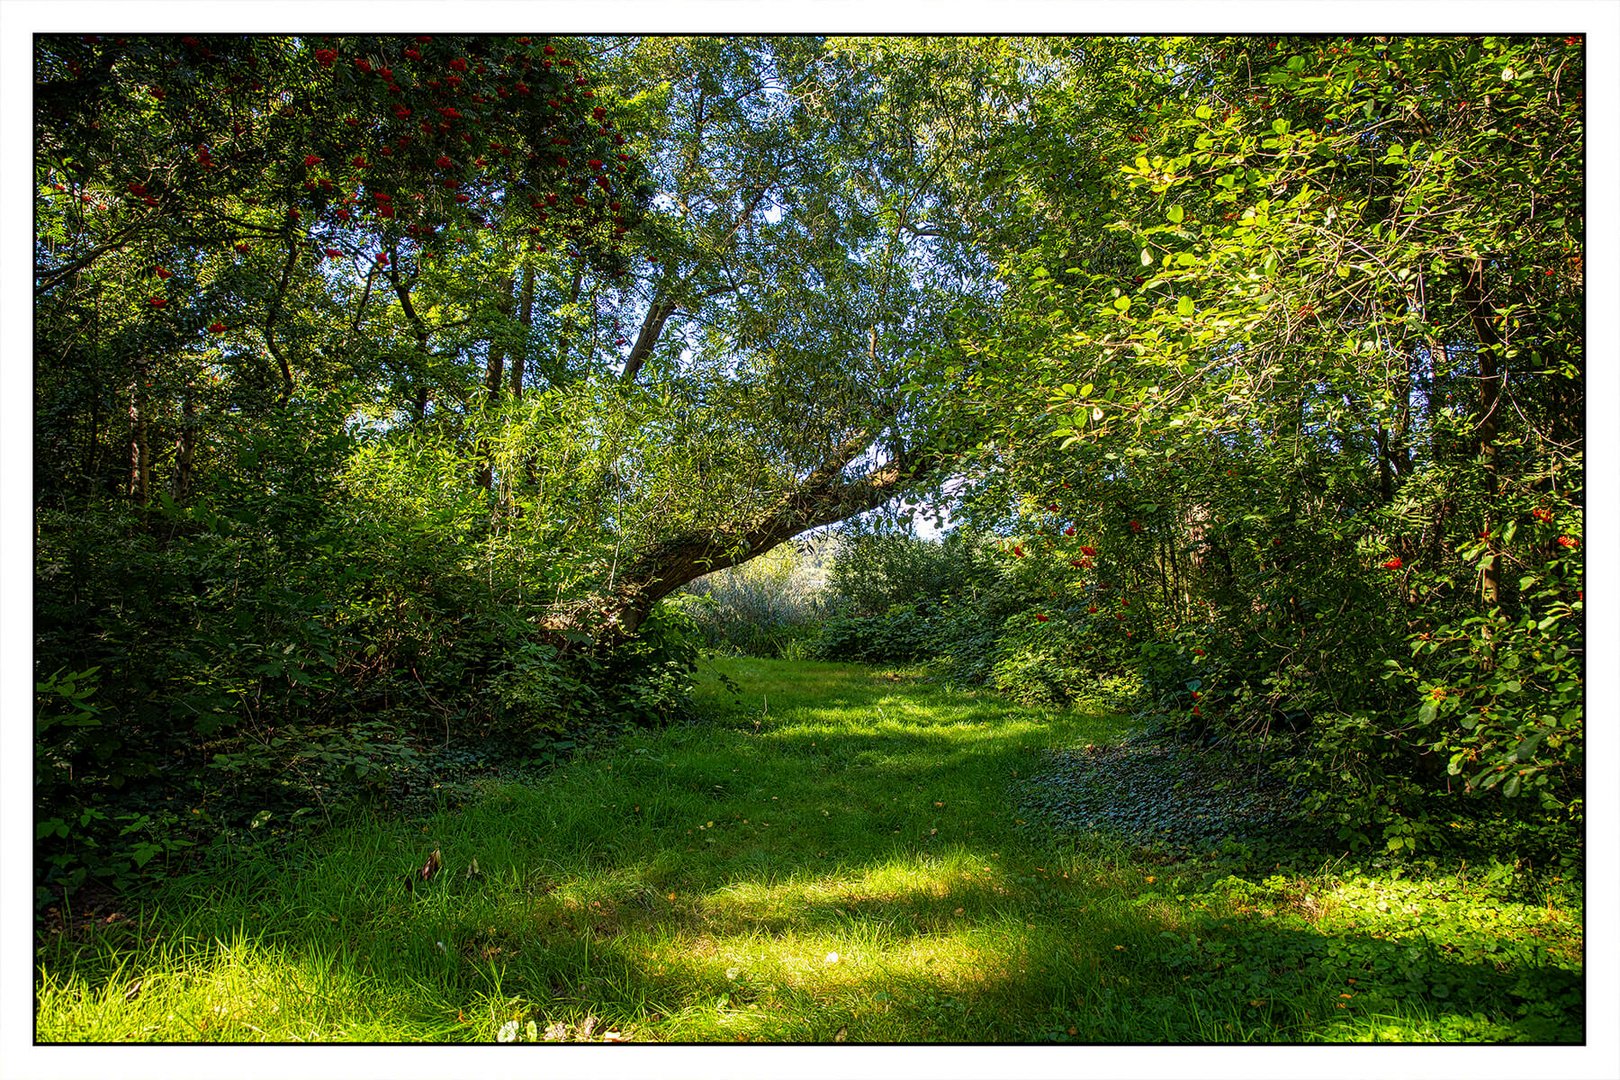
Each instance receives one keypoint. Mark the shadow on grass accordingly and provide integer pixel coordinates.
(852, 871)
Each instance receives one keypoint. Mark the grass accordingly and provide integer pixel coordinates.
(838, 857)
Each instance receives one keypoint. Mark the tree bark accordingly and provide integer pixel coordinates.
(494, 369)
(1490, 389)
(526, 320)
(140, 458)
(185, 451)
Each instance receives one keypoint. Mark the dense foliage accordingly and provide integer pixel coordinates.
(1286, 392)
(385, 386)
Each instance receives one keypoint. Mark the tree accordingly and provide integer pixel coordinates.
(781, 327)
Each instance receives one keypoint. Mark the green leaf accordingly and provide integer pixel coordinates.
(1122, 303)
(1176, 214)
(1147, 257)
(1184, 307)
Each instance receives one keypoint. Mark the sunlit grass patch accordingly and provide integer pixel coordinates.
(241, 989)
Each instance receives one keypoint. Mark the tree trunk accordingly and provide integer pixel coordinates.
(494, 369)
(563, 343)
(652, 327)
(185, 452)
(526, 320)
(419, 402)
(1490, 389)
(140, 455)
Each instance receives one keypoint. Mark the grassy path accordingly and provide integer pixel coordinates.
(839, 860)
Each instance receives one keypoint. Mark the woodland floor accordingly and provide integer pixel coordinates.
(838, 854)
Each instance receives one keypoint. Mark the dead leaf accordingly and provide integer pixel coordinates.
(432, 865)
(842, 1032)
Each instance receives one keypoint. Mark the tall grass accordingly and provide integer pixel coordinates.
(836, 856)
(769, 607)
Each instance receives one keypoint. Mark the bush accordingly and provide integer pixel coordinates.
(1062, 659)
(274, 654)
(900, 635)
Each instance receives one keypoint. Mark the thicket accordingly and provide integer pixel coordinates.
(1282, 405)
(283, 562)
(260, 657)
(1316, 406)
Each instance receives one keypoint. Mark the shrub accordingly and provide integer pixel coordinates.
(902, 634)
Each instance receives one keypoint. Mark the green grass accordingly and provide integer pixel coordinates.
(838, 857)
